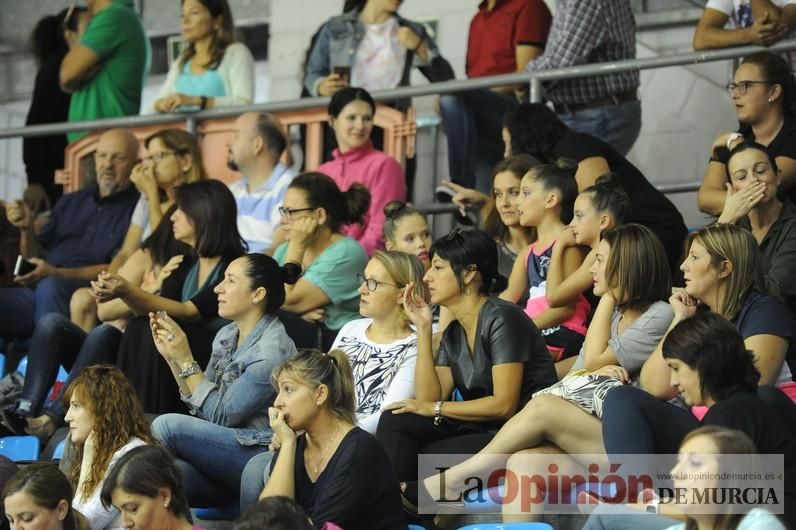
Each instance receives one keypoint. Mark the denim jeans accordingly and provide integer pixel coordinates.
(57, 341)
(608, 517)
(254, 477)
(473, 121)
(209, 455)
(617, 125)
(22, 307)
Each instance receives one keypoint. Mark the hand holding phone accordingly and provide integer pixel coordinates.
(23, 266)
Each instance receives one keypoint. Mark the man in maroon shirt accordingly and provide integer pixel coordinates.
(504, 36)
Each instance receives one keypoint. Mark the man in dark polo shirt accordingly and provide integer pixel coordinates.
(84, 232)
(504, 36)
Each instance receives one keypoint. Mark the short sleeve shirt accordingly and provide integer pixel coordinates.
(118, 38)
(335, 273)
(504, 335)
(767, 315)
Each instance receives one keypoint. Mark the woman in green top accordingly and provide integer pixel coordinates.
(326, 296)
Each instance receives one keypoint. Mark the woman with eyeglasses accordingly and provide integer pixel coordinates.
(382, 347)
(764, 94)
(491, 352)
(325, 298)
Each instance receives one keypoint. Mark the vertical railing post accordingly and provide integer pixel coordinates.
(536, 90)
(191, 125)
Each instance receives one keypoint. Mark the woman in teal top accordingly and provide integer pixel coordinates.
(326, 297)
(213, 70)
(206, 220)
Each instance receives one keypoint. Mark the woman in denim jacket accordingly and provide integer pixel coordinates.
(228, 401)
(373, 47)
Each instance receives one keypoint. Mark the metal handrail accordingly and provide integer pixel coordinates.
(446, 87)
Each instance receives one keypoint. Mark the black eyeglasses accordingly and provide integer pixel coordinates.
(287, 213)
(372, 284)
(743, 86)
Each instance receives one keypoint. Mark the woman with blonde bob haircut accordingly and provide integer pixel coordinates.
(40, 496)
(105, 421)
(382, 347)
(336, 471)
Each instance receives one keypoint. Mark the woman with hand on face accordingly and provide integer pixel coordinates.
(206, 220)
(105, 421)
(228, 424)
(357, 162)
(314, 211)
(336, 471)
(764, 94)
(145, 485)
(753, 203)
(39, 497)
(213, 70)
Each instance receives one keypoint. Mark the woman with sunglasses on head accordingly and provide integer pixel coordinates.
(382, 347)
(314, 211)
(753, 203)
(764, 94)
(491, 353)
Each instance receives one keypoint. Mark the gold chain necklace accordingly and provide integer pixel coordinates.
(317, 465)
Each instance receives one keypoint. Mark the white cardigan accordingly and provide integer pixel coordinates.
(237, 71)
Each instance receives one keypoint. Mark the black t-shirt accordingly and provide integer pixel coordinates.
(783, 144)
(203, 298)
(356, 491)
(504, 334)
(650, 208)
(763, 314)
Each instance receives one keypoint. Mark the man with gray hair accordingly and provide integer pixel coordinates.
(257, 144)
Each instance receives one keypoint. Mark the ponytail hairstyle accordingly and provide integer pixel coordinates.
(559, 177)
(346, 95)
(394, 211)
(404, 269)
(161, 244)
(608, 196)
(637, 270)
(471, 250)
(263, 271)
(315, 368)
(776, 70)
(342, 207)
(146, 470)
(517, 165)
(44, 483)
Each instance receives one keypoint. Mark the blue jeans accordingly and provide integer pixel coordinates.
(209, 455)
(57, 341)
(22, 307)
(473, 121)
(254, 477)
(617, 125)
(607, 517)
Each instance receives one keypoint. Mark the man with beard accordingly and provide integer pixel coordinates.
(84, 232)
(257, 144)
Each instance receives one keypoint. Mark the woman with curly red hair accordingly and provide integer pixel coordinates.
(105, 421)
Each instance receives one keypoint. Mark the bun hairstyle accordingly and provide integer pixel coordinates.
(263, 271)
(47, 487)
(709, 344)
(346, 95)
(342, 207)
(315, 368)
(471, 250)
(146, 470)
(559, 177)
(747, 145)
(608, 196)
(776, 70)
(394, 211)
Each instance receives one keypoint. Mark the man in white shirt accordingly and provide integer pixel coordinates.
(258, 143)
(727, 23)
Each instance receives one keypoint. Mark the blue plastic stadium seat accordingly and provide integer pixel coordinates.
(229, 512)
(19, 448)
(22, 366)
(2, 365)
(59, 450)
(416, 527)
(508, 526)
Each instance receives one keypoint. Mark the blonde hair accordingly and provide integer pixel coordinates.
(183, 143)
(404, 269)
(728, 242)
(315, 368)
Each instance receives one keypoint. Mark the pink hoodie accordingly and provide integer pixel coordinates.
(381, 175)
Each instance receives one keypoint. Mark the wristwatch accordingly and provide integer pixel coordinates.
(734, 136)
(437, 412)
(192, 369)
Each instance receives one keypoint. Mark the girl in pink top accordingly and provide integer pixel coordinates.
(547, 196)
(351, 113)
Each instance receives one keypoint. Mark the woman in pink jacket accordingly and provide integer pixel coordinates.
(356, 161)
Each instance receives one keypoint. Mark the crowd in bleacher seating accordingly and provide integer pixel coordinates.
(291, 344)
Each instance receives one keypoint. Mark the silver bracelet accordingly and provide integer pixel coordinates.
(192, 369)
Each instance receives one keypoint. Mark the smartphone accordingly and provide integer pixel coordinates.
(23, 266)
(344, 72)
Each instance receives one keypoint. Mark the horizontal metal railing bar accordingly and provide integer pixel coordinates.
(446, 87)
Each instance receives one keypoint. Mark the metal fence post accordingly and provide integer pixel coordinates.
(191, 124)
(536, 90)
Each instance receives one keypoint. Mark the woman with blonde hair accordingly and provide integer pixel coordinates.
(105, 421)
(40, 496)
(382, 347)
(336, 471)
